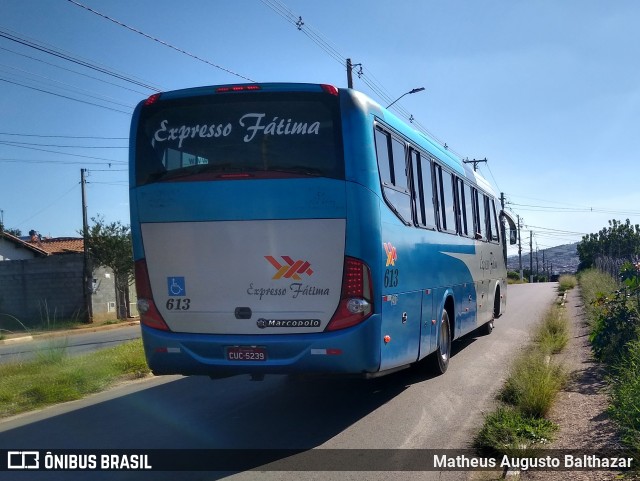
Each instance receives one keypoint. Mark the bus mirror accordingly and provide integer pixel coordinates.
(513, 230)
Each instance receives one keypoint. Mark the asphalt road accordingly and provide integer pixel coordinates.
(406, 410)
(75, 343)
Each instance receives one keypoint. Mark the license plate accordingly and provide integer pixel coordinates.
(246, 353)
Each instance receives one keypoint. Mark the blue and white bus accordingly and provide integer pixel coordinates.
(301, 228)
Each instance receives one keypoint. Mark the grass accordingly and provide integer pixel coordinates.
(55, 377)
(533, 383)
(566, 283)
(529, 392)
(508, 430)
(553, 334)
(592, 283)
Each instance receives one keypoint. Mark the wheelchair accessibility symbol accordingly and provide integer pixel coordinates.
(176, 286)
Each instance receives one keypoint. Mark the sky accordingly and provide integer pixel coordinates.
(548, 91)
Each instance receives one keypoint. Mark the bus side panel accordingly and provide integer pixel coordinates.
(401, 319)
(465, 295)
(427, 339)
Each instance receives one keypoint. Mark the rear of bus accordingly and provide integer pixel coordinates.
(239, 217)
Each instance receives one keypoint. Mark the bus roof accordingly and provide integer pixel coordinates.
(371, 106)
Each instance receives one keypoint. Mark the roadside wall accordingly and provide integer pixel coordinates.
(40, 291)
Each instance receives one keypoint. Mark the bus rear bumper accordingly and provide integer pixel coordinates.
(349, 351)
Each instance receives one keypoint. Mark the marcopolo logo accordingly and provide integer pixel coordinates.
(263, 323)
(290, 269)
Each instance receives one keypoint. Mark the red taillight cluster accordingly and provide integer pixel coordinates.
(152, 99)
(237, 88)
(330, 89)
(356, 298)
(149, 315)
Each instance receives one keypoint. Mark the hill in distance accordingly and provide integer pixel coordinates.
(561, 259)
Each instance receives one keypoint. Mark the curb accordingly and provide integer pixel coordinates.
(15, 340)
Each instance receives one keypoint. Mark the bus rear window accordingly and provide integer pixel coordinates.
(239, 136)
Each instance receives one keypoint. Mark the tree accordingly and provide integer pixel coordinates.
(13, 232)
(110, 245)
(618, 241)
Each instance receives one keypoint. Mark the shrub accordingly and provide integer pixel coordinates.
(625, 408)
(616, 323)
(553, 333)
(533, 383)
(507, 430)
(566, 283)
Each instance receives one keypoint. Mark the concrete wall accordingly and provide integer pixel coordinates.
(41, 291)
(46, 290)
(104, 300)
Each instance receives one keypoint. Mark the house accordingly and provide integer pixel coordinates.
(13, 248)
(41, 281)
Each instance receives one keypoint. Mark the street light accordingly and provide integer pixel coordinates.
(419, 89)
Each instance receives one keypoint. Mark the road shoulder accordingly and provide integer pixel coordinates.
(581, 407)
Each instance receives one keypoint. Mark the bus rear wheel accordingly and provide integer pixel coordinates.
(440, 359)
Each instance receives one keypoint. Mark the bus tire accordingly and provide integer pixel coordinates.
(440, 358)
(487, 328)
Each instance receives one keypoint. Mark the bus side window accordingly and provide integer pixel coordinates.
(416, 189)
(426, 167)
(478, 216)
(446, 200)
(465, 212)
(423, 190)
(382, 151)
(392, 164)
(495, 226)
(483, 211)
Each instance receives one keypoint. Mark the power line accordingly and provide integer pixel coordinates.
(365, 75)
(48, 206)
(64, 96)
(17, 144)
(72, 71)
(62, 85)
(545, 208)
(59, 162)
(57, 53)
(10, 144)
(162, 42)
(65, 136)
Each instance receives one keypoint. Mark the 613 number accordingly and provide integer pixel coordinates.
(391, 278)
(181, 304)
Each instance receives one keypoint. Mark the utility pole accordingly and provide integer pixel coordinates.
(503, 230)
(349, 74)
(475, 162)
(520, 249)
(531, 256)
(87, 276)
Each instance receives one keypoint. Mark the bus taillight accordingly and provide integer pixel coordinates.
(149, 315)
(237, 88)
(356, 298)
(152, 99)
(330, 89)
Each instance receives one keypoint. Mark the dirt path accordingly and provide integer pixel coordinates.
(581, 408)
